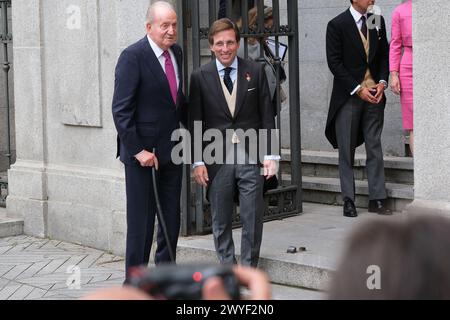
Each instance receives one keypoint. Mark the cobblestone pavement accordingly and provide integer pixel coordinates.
(41, 269)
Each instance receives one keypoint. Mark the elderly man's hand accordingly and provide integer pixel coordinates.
(147, 159)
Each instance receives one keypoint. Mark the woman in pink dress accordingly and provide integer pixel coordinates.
(401, 60)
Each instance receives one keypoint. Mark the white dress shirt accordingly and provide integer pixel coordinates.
(357, 16)
(234, 72)
(159, 54)
(162, 61)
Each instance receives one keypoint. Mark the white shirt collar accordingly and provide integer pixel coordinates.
(156, 49)
(356, 15)
(220, 66)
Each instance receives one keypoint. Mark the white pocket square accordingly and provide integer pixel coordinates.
(251, 89)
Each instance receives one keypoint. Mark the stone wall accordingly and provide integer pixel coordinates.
(431, 105)
(66, 183)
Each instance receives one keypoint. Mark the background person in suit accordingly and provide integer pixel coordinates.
(147, 107)
(358, 57)
(254, 53)
(232, 93)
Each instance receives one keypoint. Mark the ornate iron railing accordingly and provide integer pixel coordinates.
(3, 193)
(6, 40)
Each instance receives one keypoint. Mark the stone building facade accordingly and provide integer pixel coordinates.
(66, 183)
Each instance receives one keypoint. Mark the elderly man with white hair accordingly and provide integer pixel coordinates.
(148, 105)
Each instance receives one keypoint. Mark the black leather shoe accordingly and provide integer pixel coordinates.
(379, 206)
(349, 209)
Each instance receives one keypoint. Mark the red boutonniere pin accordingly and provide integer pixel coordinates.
(248, 77)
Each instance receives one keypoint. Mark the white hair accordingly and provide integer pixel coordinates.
(150, 17)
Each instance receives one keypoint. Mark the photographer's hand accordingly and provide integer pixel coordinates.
(255, 280)
(118, 293)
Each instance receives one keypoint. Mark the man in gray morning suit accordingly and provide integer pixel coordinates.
(358, 57)
(229, 94)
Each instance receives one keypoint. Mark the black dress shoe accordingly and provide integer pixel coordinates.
(379, 206)
(349, 209)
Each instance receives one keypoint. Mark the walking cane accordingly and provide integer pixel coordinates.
(160, 214)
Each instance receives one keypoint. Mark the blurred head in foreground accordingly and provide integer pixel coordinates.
(404, 259)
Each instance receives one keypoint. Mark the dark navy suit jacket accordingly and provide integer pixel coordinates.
(143, 109)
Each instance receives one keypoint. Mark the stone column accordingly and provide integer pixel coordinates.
(431, 105)
(27, 183)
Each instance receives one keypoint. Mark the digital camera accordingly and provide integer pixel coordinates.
(182, 282)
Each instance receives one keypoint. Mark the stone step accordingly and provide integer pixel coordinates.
(307, 275)
(328, 191)
(325, 164)
(9, 227)
(321, 230)
(280, 292)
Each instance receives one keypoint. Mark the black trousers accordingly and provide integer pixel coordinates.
(141, 212)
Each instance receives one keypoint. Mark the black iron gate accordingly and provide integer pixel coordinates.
(6, 40)
(286, 199)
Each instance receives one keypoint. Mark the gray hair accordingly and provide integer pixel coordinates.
(150, 17)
